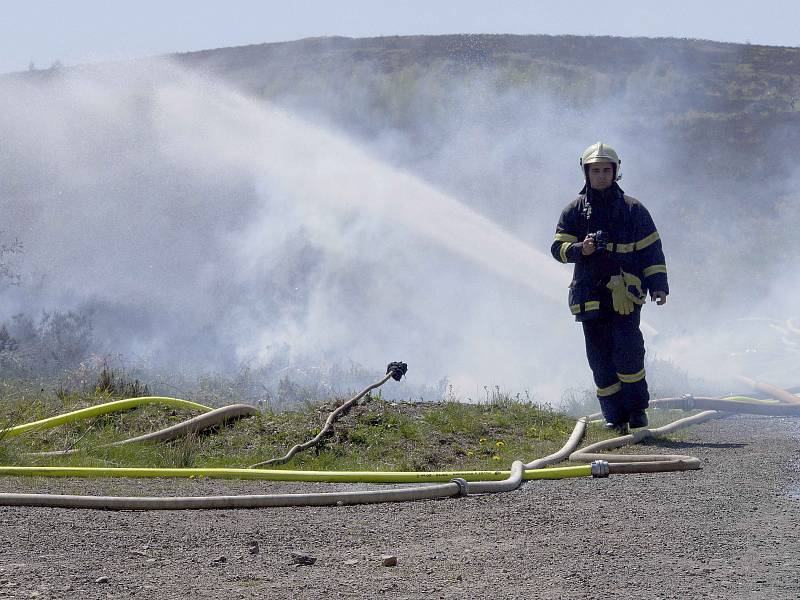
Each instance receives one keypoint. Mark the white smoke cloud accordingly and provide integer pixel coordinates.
(207, 229)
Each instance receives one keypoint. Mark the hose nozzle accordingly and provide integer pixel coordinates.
(397, 369)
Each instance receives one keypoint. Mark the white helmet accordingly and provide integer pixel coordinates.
(601, 152)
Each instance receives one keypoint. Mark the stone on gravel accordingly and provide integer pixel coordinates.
(252, 547)
(351, 561)
(388, 560)
(302, 558)
(101, 580)
(219, 560)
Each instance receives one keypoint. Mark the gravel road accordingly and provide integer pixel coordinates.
(727, 531)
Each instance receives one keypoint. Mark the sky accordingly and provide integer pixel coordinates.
(87, 31)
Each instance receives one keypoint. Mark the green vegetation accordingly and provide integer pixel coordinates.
(724, 88)
(376, 435)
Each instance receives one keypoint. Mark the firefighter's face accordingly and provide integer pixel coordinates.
(601, 175)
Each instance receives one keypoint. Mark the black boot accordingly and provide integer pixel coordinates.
(620, 428)
(638, 419)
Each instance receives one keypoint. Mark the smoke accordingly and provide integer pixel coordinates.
(205, 228)
(716, 174)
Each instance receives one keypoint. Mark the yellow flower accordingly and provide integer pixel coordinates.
(495, 457)
(500, 444)
(482, 441)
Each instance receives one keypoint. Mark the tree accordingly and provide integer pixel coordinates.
(7, 250)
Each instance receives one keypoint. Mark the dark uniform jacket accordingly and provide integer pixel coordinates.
(634, 247)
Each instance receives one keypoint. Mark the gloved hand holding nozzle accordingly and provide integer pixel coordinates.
(594, 241)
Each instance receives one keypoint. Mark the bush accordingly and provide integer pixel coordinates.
(58, 342)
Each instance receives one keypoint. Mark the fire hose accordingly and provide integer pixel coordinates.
(441, 484)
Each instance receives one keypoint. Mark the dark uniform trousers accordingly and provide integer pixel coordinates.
(615, 349)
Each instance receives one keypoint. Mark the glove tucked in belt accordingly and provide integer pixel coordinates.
(626, 291)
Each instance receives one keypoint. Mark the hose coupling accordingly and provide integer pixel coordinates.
(463, 486)
(688, 402)
(397, 369)
(600, 468)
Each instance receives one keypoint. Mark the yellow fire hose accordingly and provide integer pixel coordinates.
(459, 483)
(102, 409)
(281, 475)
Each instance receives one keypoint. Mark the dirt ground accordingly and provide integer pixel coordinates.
(730, 530)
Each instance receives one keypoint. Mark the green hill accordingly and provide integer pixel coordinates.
(706, 93)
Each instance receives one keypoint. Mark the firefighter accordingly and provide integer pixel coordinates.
(618, 259)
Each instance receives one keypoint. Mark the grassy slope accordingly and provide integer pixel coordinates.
(706, 95)
(694, 88)
(376, 435)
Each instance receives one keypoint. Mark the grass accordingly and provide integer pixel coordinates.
(376, 435)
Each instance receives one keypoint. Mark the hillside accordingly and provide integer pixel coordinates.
(707, 94)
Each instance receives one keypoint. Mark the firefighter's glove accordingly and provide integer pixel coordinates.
(622, 304)
(633, 285)
(623, 292)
